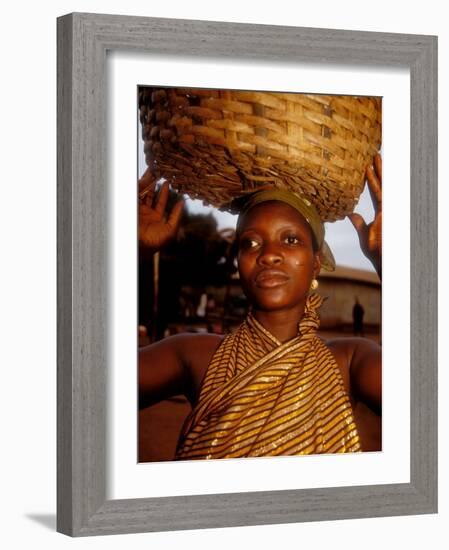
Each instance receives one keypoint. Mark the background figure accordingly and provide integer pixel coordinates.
(357, 316)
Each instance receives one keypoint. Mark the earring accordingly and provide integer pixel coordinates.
(314, 284)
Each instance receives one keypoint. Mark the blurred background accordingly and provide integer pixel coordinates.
(193, 286)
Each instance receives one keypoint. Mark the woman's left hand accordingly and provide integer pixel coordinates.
(370, 235)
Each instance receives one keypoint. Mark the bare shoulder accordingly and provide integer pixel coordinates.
(342, 351)
(346, 348)
(175, 365)
(360, 362)
(194, 348)
(352, 355)
(195, 352)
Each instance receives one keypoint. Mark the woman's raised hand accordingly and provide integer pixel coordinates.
(156, 228)
(370, 235)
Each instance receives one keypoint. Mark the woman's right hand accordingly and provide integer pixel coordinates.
(370, 235)
(156, 229)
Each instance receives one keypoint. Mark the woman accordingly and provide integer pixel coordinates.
(273, 387)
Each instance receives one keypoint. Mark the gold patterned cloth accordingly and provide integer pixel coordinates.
(264, 398)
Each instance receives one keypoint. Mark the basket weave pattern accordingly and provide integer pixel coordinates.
(219, 144)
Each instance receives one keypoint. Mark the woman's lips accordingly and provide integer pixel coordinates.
(271, 278)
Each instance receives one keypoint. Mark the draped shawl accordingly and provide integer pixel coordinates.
(261, 397)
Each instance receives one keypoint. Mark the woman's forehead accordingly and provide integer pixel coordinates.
(269, 213)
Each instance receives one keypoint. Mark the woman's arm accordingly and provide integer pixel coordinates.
(366, 374)
(161, 367)
(161, 372)
(175, 366)
(366, 360)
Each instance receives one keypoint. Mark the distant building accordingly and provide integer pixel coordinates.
(341, 288)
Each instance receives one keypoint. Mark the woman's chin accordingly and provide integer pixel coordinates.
(277, 298)
(273, 305)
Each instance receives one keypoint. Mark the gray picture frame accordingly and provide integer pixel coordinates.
(83, 41)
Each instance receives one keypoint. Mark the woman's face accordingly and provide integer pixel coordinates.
(275, 256)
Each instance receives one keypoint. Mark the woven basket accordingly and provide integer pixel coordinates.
(219, 144)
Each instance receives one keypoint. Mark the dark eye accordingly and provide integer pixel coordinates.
(291, 239)
(248, 244)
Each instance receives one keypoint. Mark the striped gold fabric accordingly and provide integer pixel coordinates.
(264, 398)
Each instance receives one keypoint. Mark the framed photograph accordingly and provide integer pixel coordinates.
(221, 146)
(114, 73)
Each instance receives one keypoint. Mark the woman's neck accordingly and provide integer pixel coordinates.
(283, 325)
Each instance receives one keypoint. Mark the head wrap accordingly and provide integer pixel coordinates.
(243, 204)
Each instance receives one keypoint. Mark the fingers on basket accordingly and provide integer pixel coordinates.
(175, 215)
(146, 185)
(161, 200)
(359, 224)
(374, 179)
(378, 167)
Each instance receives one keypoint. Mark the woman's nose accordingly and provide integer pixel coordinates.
(270, 255)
